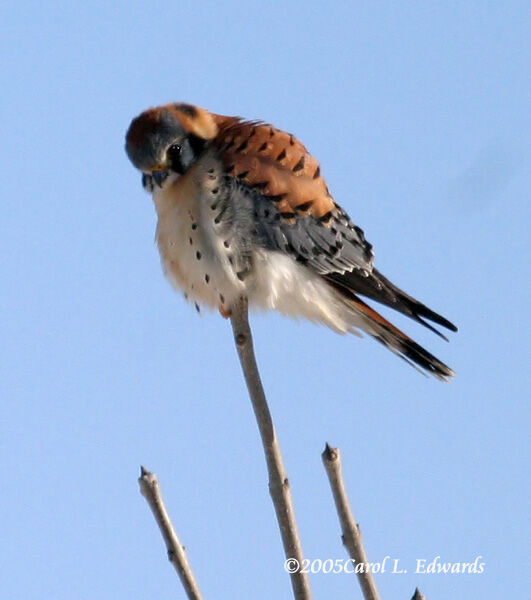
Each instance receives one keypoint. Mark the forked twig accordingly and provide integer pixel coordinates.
(351, 534)
(149, 487)
(278, 481)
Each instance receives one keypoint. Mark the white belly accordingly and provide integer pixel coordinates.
(193, 256)
(280, 283)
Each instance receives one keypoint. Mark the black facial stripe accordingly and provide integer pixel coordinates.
(196, 144)
(177, 165)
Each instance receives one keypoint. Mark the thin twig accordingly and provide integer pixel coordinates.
(278, 481)
(351, 534)
(149, 488)
(418, 596)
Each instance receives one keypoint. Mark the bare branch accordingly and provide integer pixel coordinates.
(418, 596)
(278, 481)
(351, 534)
(149, 488)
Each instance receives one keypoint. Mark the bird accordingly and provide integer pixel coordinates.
(244, 211)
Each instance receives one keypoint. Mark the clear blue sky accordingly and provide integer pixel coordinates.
(419, 113)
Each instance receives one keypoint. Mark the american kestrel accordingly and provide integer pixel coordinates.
(243, 209)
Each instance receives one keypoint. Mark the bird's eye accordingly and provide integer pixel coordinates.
(175, 158)
(174, 152)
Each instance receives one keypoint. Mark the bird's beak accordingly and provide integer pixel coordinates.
(159, 176)
(159, 173)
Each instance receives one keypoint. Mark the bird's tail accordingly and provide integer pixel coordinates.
(397, 341)
(377, 287)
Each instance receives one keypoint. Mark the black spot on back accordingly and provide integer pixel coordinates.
(299, 165)
(304, 206)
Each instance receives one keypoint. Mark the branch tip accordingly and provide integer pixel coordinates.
(350, 531)
(330, 453)
(150, 489)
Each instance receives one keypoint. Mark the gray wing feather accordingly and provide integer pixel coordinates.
(247, 216)
(337, 247)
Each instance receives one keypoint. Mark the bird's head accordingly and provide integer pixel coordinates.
(168, 139)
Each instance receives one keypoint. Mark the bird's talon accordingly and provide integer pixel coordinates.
(226, 314)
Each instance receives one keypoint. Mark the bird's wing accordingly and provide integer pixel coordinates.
(294, 213)
(293, 210)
